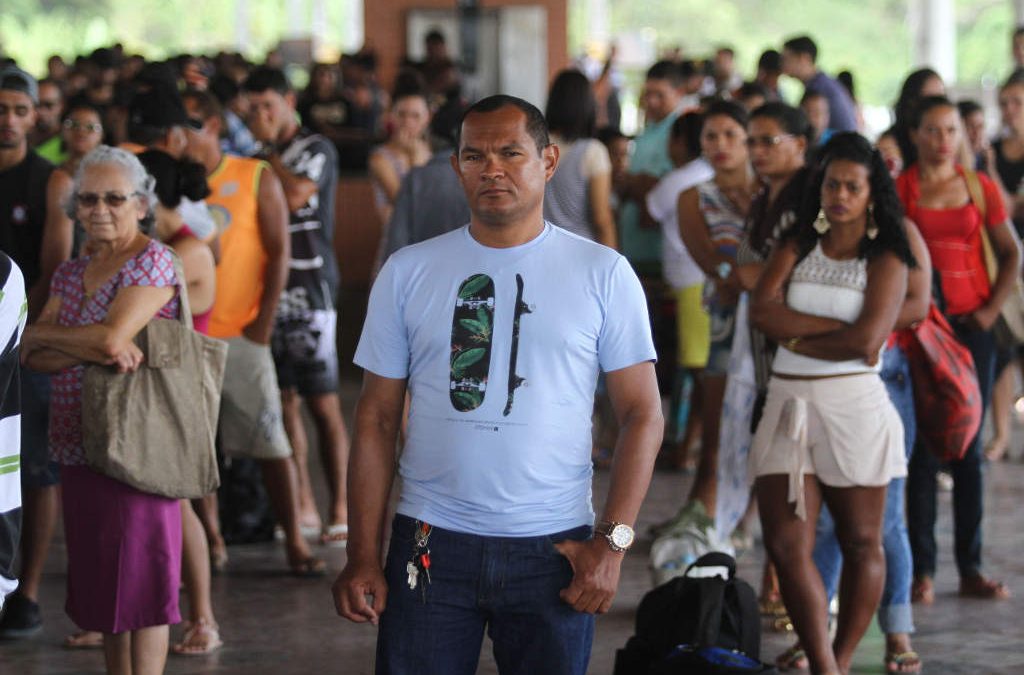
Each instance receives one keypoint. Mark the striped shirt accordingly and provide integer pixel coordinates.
(13, 312)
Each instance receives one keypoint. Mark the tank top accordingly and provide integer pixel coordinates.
(234, 204)
(830, 288)
(201, 321)
(566, 198)
(725, 223)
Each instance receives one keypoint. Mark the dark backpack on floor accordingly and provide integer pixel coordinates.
(706, 622)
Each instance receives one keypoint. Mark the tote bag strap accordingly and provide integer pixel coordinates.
(977, 196)
(185, 309)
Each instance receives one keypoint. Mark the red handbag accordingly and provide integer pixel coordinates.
(947, 399)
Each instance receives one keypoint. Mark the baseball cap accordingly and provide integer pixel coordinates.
(14, 78)
(161, 108)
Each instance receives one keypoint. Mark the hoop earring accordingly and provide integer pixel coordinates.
(872, 229)
(821, 224)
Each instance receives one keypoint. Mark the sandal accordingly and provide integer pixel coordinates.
(922, 591)
(201, 637)
(334, 536)
(980, 587)
(902, 662)
(84, 639)
(793, 658)
(309, 568)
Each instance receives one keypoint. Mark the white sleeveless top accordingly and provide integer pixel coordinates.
(831, 288)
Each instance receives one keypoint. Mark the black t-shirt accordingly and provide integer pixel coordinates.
(23, 213)
(313, 274)
(1012, 174)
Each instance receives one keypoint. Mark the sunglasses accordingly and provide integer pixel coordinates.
(113, 200)
(766, 141)
(92, 127)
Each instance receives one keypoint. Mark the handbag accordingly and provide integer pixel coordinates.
(1009, 327)
(947, 399)
(155, 429)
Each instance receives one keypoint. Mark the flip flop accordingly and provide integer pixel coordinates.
(793, 658)
(896, 662)
(84, 639)
(334, 536)
(201, 637)
(309, 568)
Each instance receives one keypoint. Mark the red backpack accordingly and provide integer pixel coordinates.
(947, 399)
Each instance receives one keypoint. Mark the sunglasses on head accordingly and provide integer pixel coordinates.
(113, 200)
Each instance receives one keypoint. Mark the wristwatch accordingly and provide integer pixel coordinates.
(619, 535)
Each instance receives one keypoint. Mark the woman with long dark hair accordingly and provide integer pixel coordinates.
(954, 209)
(919, 84)
(830, 296)
(578, 196)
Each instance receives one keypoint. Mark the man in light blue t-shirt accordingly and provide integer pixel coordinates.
(498, 331)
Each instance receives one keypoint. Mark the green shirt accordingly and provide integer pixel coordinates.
(52, 151)
(642, 247)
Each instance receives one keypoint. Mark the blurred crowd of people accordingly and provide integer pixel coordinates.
(786, 261)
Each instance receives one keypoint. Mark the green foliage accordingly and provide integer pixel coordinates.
(871, 38)
(465, 359)
(31, 30)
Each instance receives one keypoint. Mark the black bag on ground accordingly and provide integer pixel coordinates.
(691, 624)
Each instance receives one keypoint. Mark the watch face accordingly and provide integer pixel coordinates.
(621, 536)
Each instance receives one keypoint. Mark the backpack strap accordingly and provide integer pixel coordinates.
(712, 598)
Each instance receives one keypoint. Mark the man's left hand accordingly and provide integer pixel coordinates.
(596, 570)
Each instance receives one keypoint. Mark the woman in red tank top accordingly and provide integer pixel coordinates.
(936, 195)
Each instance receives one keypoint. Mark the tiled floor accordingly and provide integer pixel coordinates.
(272, 623)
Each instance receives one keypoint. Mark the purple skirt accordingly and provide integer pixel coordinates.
(124, 553)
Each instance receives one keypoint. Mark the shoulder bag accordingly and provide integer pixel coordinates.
(154, 429)
(947, 399)
(1009, 327)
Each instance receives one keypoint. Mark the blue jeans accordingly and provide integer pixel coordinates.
(894, 614)
(967, 478)
(506, 585)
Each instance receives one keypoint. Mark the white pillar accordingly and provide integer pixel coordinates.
(296, 21)
(599, 15)
(318, 26)
(242, 25)
(353, 30)
(935, 36)
(1018, 13)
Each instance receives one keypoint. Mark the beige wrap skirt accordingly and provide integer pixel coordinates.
(844, 430)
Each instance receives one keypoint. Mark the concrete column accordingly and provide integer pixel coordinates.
(242, 40)
(935, 36)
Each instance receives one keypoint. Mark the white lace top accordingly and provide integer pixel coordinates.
(825, 287)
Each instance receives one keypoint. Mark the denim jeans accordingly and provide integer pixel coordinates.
(506, 585)
(894, 613)
(967, 479)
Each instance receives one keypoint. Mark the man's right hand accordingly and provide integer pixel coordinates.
(351, 588)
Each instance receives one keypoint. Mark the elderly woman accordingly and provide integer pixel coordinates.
(124, 546)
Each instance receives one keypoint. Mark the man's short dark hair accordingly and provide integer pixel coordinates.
(206, 103)
(536, 126)
(688, 128)
(770, 61)
(1018, 31)
(435, 36)
(265, 78)
(802, 44)
(727, 50)
(968, 107)
(666, 70)
(748, 89)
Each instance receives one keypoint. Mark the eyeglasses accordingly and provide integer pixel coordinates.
(194, 124)
(113, 200)
(91, 127)
(766, 141)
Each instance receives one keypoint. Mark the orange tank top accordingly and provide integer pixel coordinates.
(233, 202)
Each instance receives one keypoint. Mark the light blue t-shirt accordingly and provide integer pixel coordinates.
(481, 456)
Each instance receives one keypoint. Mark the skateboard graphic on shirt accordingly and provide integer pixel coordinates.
(514, 380)
(472, 324)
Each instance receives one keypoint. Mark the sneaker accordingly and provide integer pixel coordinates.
(21, 618)
(692, 515)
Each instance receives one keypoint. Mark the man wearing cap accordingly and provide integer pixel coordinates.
(157, 123)
(36, 234)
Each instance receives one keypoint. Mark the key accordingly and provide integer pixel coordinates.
(414, 573)
(425, 564)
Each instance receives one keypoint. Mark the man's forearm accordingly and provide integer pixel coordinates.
(371, 474)
(635, 452)
(274, 281)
